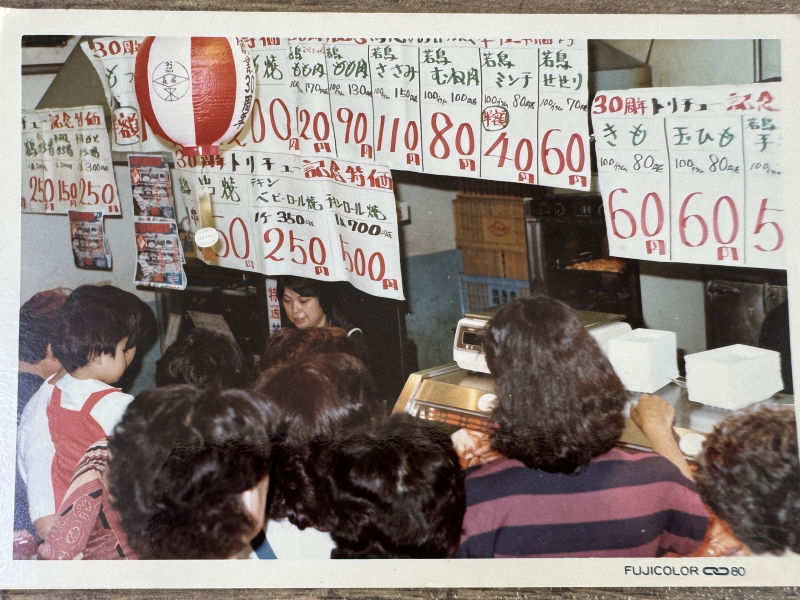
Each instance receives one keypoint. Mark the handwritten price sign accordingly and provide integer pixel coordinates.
(693, 174)
(66, 162)
(283, 214)
(504, 109)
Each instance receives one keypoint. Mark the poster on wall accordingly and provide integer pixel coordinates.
(151, 186)
(283, 214)
(693, 174)
(502, 109)
(89, 243)
(66, 162)
(158, 254)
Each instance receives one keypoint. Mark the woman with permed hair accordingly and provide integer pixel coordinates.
(748, 473)
(562, 488)
(321, 399)
(190, 472)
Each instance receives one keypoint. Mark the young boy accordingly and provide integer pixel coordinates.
(99, 329)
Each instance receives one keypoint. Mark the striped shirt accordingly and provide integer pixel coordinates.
(619, 505)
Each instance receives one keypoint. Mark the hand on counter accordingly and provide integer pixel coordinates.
(654, 415)
(473, 448)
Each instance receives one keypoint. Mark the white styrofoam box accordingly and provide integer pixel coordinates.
(604, 333)
(734, 376)
(644, 359)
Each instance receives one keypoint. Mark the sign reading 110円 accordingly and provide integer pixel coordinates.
(502, 109)
(693, 174)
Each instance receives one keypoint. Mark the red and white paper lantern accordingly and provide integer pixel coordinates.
(195, 92)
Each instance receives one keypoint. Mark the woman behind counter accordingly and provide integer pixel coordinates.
(310, 303)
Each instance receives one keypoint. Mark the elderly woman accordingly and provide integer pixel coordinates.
(561, 487)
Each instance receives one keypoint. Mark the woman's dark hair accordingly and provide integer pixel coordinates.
(290, 344)
(322, 395)
(320, 399)
(559, 401)
(93, 320)
(38, 321)
(325, 292)
(398, 494)
(182, 456)
(204, 357)
(748, 473)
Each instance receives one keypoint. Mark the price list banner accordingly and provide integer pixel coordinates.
(502, 109)
(693, 174)
(114, 59)
(284, 214)
(66, 162)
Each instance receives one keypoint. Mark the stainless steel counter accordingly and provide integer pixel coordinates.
(451, 395)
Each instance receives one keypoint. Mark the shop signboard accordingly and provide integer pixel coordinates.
(693, 174)
(284, 214)
(502, 109)
(66, 162)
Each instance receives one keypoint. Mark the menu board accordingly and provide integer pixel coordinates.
(502, 109)
(66, 162)
(284, 214)
(693, 174)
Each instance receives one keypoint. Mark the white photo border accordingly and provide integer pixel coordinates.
(378, 573)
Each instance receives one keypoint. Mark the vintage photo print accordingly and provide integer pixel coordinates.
(501, 303)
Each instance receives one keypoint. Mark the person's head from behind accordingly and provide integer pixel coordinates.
(38, 322)
(559, 401)
(397, 494)
(190, 471)
(289, 344)
(748, 473)
(321, 398)
(101, 327)
(326, 395)
(203, 357)
(308, 302)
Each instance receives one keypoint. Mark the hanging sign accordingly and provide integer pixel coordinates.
(502, 109)
(66, 162)
(159, 252)
(89, 243)
(114, 59)
(283, 214)
(693, 174)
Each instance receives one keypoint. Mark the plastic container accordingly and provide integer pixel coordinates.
(484, 292)
(645, 359)
(734, 376)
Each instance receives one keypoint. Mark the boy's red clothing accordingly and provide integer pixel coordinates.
(72, 433)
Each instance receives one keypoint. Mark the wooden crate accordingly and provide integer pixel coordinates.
(506, 264)
(496, 223)
(483, 261)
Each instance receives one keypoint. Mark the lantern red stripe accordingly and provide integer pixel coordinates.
(142, 87)
(218, 81)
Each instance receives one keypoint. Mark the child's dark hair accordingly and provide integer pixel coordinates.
(204, 357)
(94, 319)
(397, 494)
(182, 456)
(38, 321)
(290, 344)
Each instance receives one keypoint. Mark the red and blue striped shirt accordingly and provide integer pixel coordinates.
(619, 505)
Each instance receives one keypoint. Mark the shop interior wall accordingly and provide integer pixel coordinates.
(672, 294)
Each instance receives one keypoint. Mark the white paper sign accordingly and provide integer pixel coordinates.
(693, 174)
(283, 214)
(66, 162)
(503, 109)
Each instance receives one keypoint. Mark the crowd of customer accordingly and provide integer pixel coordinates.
(296, 457)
